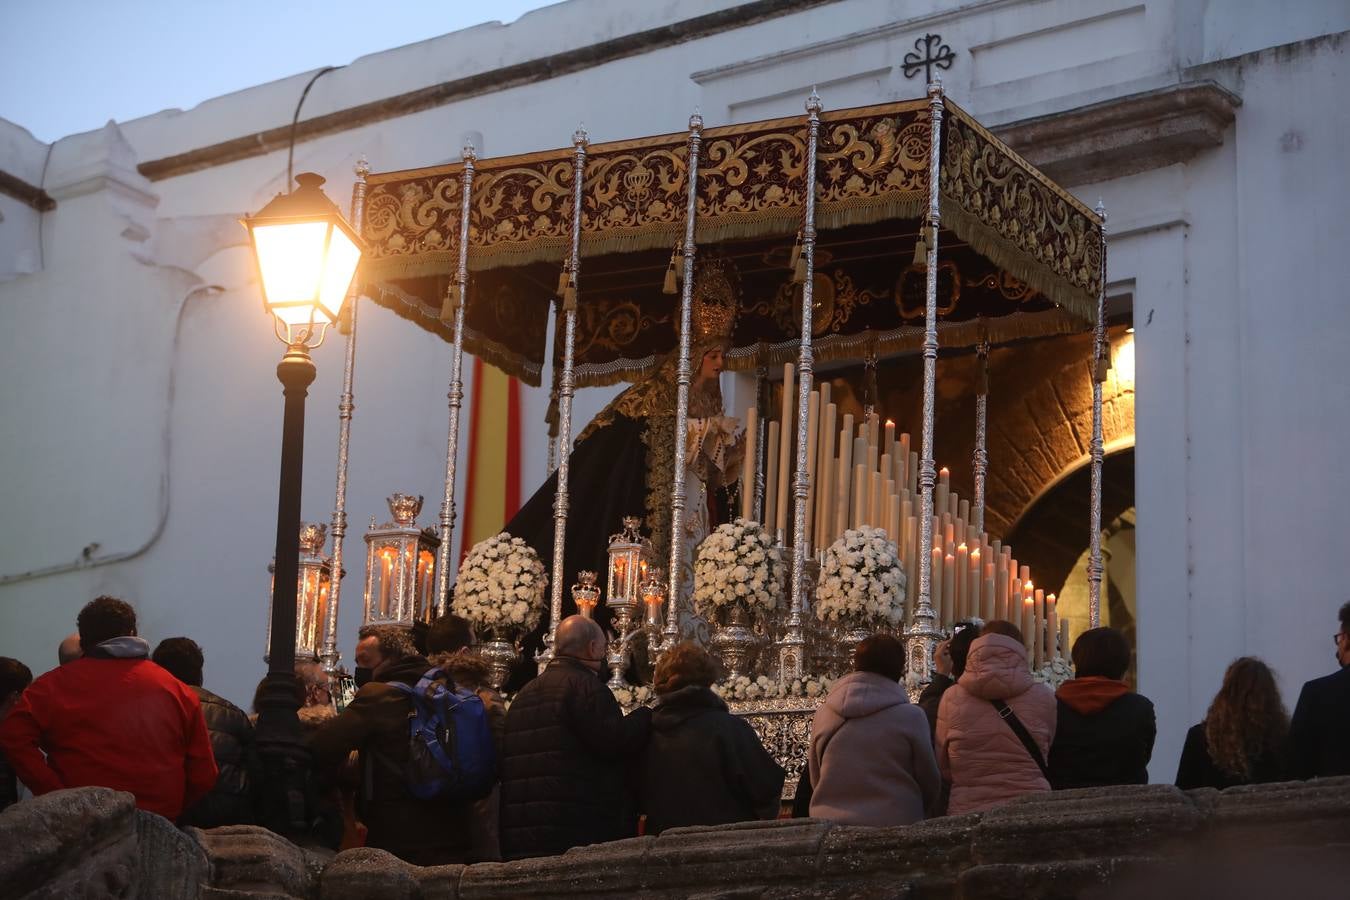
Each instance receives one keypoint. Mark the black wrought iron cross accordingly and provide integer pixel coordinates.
(932, 52)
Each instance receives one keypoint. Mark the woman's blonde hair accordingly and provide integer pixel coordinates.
(1247, 720)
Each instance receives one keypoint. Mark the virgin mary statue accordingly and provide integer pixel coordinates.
(623, 462)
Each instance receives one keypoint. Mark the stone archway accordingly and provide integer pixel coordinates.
(1040, 421)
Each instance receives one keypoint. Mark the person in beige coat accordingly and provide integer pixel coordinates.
(979, 753)
(871, 758)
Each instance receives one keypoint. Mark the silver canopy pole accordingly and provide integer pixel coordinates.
(566, 387)
(682, 379)
(1099, 367)
(924, 634)
(346, 406)
(457, 300)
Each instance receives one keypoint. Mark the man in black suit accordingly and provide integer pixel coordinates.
(1320, 730)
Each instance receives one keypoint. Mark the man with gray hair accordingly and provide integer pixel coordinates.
(567, 748)
(375, 724)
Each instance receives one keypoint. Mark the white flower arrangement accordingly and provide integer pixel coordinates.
(1054, 673)
(501, 585)
(861, 578)
(738, 563)
(765, 688)
(633, 695)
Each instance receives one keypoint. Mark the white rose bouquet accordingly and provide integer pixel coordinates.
(861, 578)
(764, 688)
(738, 563)
(501, 585)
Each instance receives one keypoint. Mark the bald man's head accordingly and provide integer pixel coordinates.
(582, 639)
(69, 649)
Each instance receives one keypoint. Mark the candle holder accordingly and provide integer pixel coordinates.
(653, 602)
(400, 566)
(313, 588)
(630, 556)
(586, 594)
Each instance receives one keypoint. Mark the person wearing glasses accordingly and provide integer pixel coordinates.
(1320, 730)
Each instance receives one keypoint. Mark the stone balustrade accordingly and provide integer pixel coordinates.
(1290, 839)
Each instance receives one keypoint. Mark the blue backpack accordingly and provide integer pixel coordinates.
(450, 751)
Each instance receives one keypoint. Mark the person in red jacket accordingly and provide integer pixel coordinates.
(112, 718)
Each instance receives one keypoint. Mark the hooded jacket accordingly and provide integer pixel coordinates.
(704, 766)
(1104, 734)
(375, 723)
(112, 718)
(871, 758)
(977, 751)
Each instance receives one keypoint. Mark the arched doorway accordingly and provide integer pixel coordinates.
(1052, 537)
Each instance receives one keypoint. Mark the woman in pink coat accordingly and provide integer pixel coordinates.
(978, 751)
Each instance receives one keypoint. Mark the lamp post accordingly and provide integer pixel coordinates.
(306, 255)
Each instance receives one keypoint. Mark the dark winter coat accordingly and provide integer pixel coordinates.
(375, 723)
(1197, 768)
(931, 699)
(1104, 735)
(705, 766)
(1319, 733)
(230, 802)
(565, 763)
(9, 784)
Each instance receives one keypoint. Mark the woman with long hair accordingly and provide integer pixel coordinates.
(1244, 735)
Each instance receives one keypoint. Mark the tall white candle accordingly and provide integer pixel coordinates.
(787, 431)
(844, 484)
(812, 427)
(771, 478)
(948, 590)
(1038, 627)
(860, 486)
(748, 467)
(828, 468)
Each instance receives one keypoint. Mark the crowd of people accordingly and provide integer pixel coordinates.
(573, 769)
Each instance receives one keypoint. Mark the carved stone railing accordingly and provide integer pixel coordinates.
(1280, 840)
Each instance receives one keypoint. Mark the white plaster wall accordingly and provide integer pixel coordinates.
(101, 355)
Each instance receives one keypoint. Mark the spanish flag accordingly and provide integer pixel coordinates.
(492, 492)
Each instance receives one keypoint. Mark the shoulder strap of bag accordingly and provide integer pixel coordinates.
(1006, 713)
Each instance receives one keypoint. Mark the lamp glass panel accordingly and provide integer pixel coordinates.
(339, 268)
(291, 259)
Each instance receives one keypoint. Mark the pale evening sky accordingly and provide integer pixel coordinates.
(68, 66)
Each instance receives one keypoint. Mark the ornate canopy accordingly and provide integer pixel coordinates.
(1019, 256)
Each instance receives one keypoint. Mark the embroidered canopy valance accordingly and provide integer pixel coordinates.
(1019, 256)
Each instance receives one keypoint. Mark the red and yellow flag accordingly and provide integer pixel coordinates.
(492, 492)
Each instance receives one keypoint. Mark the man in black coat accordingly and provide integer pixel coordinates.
(568, 748)
(232, 800)
(1104, 732)
(1319, 733)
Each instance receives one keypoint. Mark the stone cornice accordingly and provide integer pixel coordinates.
(1126, 135)
(489, 82)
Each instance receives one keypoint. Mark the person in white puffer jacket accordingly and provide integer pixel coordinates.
(871, 759)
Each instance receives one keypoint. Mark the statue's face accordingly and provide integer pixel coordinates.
(711, 366)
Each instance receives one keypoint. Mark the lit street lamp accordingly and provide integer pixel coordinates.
(307, 255)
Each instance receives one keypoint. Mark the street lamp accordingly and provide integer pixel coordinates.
(306, 255)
